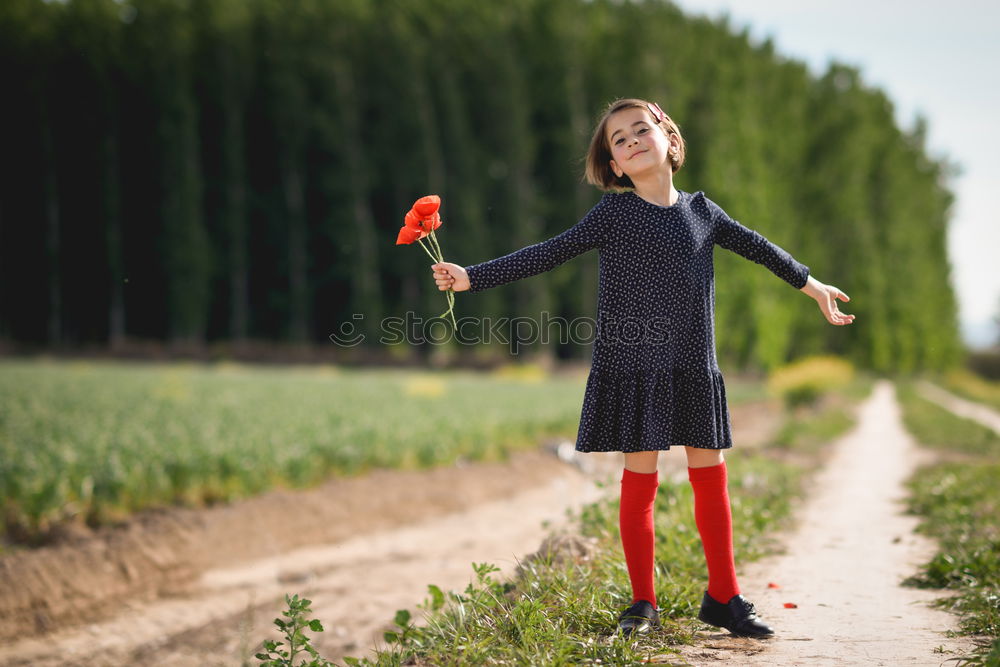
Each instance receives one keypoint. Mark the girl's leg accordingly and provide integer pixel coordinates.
(635, 516)
(641, 462)
(708, 477)
(703, 458)
(722, 605)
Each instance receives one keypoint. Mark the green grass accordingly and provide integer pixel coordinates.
(563, 609)
(82, 441)
(959, 502)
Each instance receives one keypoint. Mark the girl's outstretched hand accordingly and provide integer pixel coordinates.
(826, 296)
(450, 276)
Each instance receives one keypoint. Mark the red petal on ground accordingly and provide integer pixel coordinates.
(791, 605)
(773, 585)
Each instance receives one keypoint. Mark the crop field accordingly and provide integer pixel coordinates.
(94, 441)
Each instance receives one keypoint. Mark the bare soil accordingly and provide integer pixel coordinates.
(356, 586)
(146, 579)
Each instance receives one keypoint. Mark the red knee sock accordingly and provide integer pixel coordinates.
(715, 525)
(635, 518)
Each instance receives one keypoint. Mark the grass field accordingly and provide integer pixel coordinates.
(97, 441)
(959, 501)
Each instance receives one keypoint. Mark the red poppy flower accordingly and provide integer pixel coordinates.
(407, 235)
(420, 222)
(423, 223)
(427, 206)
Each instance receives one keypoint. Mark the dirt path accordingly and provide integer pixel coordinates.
(977, 412)
(844, 563)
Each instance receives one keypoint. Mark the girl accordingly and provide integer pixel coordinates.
(654, 381)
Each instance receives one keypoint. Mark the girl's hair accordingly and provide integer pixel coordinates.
(599, 171)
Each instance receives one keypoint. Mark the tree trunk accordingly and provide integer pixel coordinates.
(187, 244)
(52, 234)
(535, 296)
(236, 216)
(589, 263)
(5, 330)
(365, 295)
(294, 186)
(111, 199)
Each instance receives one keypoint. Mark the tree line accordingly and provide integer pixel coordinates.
(197, 171)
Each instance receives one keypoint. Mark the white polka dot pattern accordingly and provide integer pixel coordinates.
(654, 380)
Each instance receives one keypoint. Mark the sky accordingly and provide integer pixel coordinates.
(938, 60)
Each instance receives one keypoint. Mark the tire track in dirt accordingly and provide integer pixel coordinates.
(844, 563)
(977, 412)
(356, 585)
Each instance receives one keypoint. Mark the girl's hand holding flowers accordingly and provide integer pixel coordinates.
(450, 276)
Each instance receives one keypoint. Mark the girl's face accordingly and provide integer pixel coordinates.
(638, 145)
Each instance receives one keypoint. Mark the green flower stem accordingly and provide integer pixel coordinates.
(420, 241)
(449, 294)
(437, 246)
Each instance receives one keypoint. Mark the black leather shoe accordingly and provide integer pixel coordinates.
(639, 618)
(738, 616)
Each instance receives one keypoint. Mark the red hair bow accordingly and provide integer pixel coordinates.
(657, 112)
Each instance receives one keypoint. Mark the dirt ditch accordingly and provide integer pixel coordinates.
(160, 552)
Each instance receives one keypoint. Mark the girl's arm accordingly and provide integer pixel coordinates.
(750, 244)
(585, 235)
(746, 242)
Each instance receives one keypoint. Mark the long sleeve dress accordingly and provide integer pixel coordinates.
(654, 380)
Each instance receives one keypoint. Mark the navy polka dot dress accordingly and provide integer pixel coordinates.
(654, 380)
